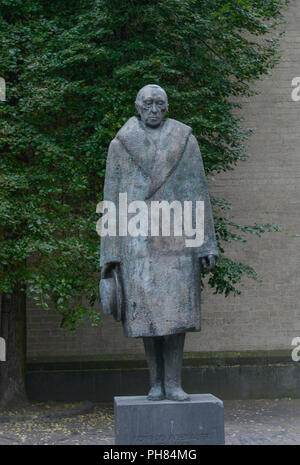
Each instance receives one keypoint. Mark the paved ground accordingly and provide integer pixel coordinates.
(246, 422)
(262, 421)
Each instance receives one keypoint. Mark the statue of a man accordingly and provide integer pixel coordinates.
(155, 159)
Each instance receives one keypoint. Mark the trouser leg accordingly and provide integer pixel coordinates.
(172, 355)
(154, 354)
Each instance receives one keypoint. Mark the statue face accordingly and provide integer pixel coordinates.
(152, 106)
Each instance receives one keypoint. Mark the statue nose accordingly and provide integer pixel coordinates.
(154, 109)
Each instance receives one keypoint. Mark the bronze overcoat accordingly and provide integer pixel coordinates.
(160, 275)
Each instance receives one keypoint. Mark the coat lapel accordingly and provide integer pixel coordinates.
(157, 163)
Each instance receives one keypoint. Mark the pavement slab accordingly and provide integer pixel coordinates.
(247, 422)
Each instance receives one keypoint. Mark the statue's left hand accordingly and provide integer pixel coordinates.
(209, 262)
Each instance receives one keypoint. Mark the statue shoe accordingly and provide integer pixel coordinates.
(176, 393)
(156, 392)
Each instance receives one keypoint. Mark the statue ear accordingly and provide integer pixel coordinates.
(137, 108)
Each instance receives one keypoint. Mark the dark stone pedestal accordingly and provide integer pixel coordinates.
(140, 421)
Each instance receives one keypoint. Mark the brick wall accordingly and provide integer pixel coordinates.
(266, 188)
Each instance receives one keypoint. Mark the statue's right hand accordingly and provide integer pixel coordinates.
(106, 271)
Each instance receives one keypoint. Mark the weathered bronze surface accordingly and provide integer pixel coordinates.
(153, 158)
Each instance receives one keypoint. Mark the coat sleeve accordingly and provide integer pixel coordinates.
(209, 247)
(110, 245)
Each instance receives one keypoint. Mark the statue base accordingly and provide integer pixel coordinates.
(197, 421)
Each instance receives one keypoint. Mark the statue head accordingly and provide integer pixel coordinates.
(152, 104)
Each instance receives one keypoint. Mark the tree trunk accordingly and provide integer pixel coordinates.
(13, 330)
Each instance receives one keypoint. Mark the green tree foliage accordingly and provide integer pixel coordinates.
(72, 70)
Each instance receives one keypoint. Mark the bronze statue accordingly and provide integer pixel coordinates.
(152, 282)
